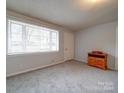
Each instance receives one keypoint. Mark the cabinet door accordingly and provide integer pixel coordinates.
(100, 62)
(91, 61)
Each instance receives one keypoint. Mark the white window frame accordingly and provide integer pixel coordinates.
(18, 53)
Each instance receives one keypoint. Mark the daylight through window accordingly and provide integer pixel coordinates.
(25, 38)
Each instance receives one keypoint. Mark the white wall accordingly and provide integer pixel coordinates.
(26, 62)
(101, 37)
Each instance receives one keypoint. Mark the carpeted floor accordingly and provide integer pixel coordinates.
(67, 77)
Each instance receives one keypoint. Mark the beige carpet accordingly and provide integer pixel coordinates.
(67, 77)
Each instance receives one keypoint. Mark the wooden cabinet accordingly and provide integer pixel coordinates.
(97, 60)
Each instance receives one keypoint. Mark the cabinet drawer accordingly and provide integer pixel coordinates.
(91, 60)
(100, 62)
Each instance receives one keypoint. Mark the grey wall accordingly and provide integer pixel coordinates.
(26, 62)
(101, 37)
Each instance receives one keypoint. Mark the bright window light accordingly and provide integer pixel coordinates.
(26, 38)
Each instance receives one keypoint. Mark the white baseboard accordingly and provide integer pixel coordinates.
(83, 61)
(32, 69)
(114, 69)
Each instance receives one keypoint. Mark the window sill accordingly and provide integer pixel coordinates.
(31, 53)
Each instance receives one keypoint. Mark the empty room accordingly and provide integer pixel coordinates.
(62, 46)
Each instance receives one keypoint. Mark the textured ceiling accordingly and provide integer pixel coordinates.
(71, 14)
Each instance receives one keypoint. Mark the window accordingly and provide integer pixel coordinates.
(25, 38)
